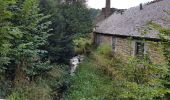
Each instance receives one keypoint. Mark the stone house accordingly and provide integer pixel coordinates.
(129, 33)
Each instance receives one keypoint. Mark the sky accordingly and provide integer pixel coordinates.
(121, 4)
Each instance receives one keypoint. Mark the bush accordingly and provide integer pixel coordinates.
(89, 84)
(105, 60)
(46, 87)
(137, 79)
(58, 79)
(82, 45)
(31, 92)
(104, 50)
(5, 88)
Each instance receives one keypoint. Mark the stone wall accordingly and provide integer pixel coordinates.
(125, 47)
(155, 52)
(104, 39)
(107, 39)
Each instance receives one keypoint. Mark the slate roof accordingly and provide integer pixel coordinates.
(133, 22)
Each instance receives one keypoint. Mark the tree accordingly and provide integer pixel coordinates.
(94, 13)
(26, 50)
(7, 33)
(69, 20)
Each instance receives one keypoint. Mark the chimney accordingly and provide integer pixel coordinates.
(108, 4)
(141, 6)
(107, 9)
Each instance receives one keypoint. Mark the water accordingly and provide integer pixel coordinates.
(74, 62)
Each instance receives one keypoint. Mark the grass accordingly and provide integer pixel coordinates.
(89, 83)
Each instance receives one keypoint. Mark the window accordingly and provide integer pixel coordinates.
(98, 39)
(113, 43)
(139, 52)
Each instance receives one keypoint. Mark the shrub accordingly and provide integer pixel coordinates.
(105, 60)
(89, 84)
(137, 79)
(58, 79)
(105, 50)
(31, 92)
(5, 88)
(82, 45)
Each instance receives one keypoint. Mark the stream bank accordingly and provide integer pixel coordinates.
(89, 83)
(74, 63)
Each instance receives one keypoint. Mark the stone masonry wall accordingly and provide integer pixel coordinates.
(155, 52)
(125, 47)
(107, 39)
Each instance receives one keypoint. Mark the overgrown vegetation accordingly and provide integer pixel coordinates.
(134, 79)
(36, 44)
(164, 35)
(70, 21)
(83, 45)
(37, 39)
(89, 83)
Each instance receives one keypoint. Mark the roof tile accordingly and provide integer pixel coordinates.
(134, 19)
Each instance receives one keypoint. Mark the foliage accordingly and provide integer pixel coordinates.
(89, 83)
(134, 79)
(7, 33)
(26, 45)
(68, 20)
(164, 35)
(31, 92)
(49, 6)
(104, 49)
(26, 53)
(47, 87)
(23, 32)
(82, 45)
(94, 13)
(5, 88)
(106, 76)
(58, 80)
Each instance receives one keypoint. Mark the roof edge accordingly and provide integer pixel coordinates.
(134, 37)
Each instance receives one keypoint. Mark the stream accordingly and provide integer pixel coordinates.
(74, 62)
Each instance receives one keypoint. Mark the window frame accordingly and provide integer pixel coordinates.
(98, 39)
(113, 43)
(137, 49)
